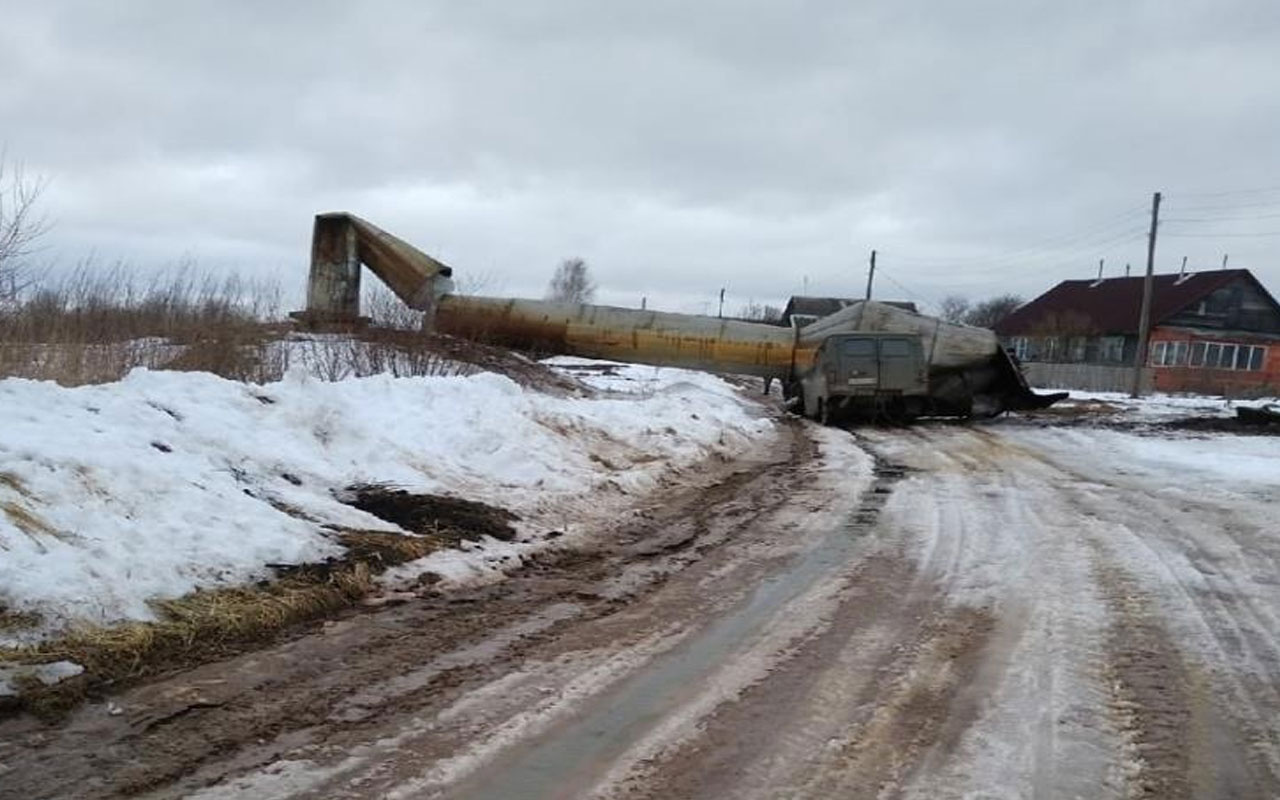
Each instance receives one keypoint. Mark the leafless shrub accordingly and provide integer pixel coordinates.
(21, 226)
(377, 351)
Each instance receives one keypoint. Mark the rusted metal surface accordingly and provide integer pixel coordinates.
(333, 289)
(340, 243)
(621, 334)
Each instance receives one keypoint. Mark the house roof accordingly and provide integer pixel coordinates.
(1114, 305)
(825, 306)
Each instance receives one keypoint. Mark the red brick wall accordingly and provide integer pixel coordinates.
(1227, 382)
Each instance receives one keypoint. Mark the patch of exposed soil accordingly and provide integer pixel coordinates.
(364, 670)
(1233, 425)
(207, 625)
(1150, 427)
(450, 519)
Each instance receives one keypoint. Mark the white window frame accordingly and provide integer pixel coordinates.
(1221, 361)
(1157, 353)
(1216, 349)
(1262, 361)
(1191, 359)
(1225, 361)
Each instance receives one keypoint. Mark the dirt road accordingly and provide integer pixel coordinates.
(946, 611)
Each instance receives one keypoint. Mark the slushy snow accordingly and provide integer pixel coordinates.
(165, 482)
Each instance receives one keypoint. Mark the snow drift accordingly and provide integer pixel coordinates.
(165, 482)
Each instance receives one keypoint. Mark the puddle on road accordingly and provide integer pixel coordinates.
(567, 759)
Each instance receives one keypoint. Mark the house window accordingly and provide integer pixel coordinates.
(1211, 355)
(1228, 360)
(1050, 349)
(1196, 358)
(1169, 354)
(1020, 347)
(1257, 359)
(1246, 357)
(1112, 348)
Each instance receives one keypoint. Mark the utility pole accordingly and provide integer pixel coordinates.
(720, 313)
(1101, 261)
(1144, 318)
(1126, 270)
(643, 302)
(1183, 271)
(1225, 256)
(871, 274)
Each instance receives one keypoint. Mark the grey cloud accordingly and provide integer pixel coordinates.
(679, 147)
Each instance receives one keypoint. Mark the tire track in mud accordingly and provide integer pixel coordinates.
(1176, 743)
(342, 683)
(655, 709)
(1150, 694)
(1188, 627)
(858, 705)
(1184, 720)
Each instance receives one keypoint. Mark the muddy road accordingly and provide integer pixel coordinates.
(945, 611)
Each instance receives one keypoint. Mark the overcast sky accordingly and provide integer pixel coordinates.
(679, 147)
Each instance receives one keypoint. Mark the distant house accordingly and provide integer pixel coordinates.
(1216, 332)
(807, 309)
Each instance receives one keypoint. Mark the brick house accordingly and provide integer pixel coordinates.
(1211, 332)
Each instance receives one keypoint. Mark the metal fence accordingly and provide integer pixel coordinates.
(1084, 377)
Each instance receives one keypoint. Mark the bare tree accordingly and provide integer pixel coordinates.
(572, 283)
(760, 312)
(988, 312)
(984, 314)
(20, 225)
(954, 308)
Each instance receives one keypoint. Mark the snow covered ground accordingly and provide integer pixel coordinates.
(1133, 576)
(164, 482)
(1152, 407)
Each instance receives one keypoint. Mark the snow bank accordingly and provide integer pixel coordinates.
(163, 482)
(1157, 407)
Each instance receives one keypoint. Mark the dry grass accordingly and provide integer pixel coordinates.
(95, 325)
(18, 621)
(205, 625)
(28, 522)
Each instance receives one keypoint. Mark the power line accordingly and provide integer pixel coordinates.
(1184, 235)
(1223, 219)
(914, 295)
(1232, 192)
(1233, 206)
(1052, 244)
(1051, 259)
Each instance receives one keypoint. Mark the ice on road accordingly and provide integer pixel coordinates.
(1008, 610)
